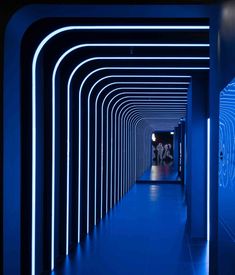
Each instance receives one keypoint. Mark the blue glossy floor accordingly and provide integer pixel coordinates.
(160, 173)
(144, 234)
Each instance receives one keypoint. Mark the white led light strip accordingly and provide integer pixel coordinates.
(114, 91)
(208, 179)
(85, 79)
(114, 83)
(136, 120)
(68, 130)
(122, 186)
(119, 127)
(132, 161)
(122, 158)
(119, 132)
(88, 129)
(97, 97)
(80, 92)
(34, 65)
(68, 118)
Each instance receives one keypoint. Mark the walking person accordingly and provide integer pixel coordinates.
(160, 150)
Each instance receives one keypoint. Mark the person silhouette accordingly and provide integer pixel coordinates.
(169, 152)
(160, 150)
(165, 151)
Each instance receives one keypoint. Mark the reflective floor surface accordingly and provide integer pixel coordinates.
(145, 234)
(160, 173)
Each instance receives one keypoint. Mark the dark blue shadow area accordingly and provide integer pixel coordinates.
(160, 173)
(144, 234)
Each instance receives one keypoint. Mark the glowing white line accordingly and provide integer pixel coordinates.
(88, 129)
(67, 180)
(119, 158)
(153, 118)
(53, 128)
(134, 119)
(124, 140)
(96, 128)
(68, 88)
(147, 93)
(131, 119)
(97, 97)
(107, 122)
(118, 123)
(108, 107)
(208, 179)
(68, 116)
(119, 127)
(159, 83)
(127, 139)
(34, 63)
(137, 123)
(33, 215)
(68, 143)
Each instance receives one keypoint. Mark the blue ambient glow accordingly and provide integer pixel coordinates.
(115, 83)
(34, 64)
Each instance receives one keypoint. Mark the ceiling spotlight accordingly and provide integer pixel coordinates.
(153, 137)
(172, 133)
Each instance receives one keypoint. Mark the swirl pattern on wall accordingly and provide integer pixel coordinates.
(227, 159)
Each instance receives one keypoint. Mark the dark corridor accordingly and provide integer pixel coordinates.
(84, 87)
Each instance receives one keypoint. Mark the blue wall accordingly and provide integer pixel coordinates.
(226, 204)
(176, 147)
(197, 156)
(227, 180)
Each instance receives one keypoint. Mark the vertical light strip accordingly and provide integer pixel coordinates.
(53, 156)
(185, 159)
(33, 213)
(34, 64)
(53, 188)
(88, 129)
(208, 178)
(68, 173)
(180, 166)
(107, 119)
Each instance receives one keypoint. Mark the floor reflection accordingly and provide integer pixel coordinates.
(161, 173)
(154, 192)
(145, 234)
